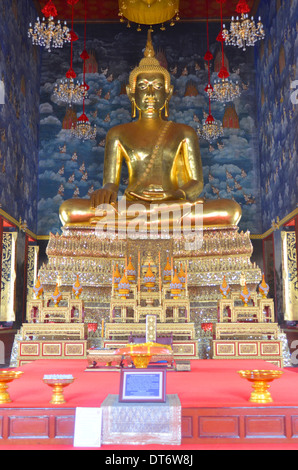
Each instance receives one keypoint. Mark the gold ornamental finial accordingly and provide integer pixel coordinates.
(124, 287)
(224, 288)
(264, 288)
(149, 51)
(167, 272)
(131, 272)
(77, 288)
(56, 297)
(149, 279)
(245, 295)
(38, 289)
(176, 286)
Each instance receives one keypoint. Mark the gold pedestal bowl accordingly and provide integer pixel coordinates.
(261, 381)
(141, 360)
(58, 385)
(141, 354)
(6, 377)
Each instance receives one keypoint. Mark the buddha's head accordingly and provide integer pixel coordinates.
(149, 86)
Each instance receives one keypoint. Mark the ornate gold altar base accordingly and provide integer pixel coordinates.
(246, 329)
(124, 315)
(52, 331)
(223, 252)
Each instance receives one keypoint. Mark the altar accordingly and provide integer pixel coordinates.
(214, 401)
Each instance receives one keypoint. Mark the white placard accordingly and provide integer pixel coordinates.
(88, 426)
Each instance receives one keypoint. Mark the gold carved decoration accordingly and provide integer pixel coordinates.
(290, 280)
(8, 277)
(32, 265)
(247, 331)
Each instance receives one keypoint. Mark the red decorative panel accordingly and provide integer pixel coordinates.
(219, 426)
(64, 426)
(187, 427)
(51, 349)
(225, 348)
(32, 427)
(270, 348)
(247, 349)
(75, 349)
(294, 422)
(28, 348)
(265, 426)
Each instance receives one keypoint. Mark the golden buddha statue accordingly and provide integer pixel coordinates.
(163, 160)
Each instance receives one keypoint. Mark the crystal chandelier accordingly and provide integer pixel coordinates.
(224, 89)
(67, 90)
(243, 31)
(211, 129)
(46, 33)
(83, 129)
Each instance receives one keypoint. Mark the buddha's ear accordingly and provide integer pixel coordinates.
(131, 96)
(170, 93)
(129, 93)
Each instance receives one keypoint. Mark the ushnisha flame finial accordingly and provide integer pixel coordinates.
(149, 50)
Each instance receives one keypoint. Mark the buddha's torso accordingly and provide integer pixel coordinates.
(152, 153)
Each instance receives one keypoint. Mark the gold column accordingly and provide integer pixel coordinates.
(32, 268)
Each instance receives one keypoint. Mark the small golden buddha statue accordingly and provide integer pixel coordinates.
(163, 160)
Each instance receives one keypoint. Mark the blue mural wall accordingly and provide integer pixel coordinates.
(277, 72)
(71, 168)
(19, 116)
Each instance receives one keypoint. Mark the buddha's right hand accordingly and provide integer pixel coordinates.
(103, 196)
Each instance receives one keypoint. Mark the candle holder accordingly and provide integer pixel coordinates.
(261, 380)
(58, 383)
(6, 377)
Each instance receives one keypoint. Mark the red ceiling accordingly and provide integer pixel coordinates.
(107, 10)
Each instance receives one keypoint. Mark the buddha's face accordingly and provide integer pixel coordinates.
(150, 93)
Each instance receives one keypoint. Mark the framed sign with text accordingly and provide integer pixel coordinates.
(142, 386)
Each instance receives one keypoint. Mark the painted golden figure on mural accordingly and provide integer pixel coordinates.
(163, 158)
